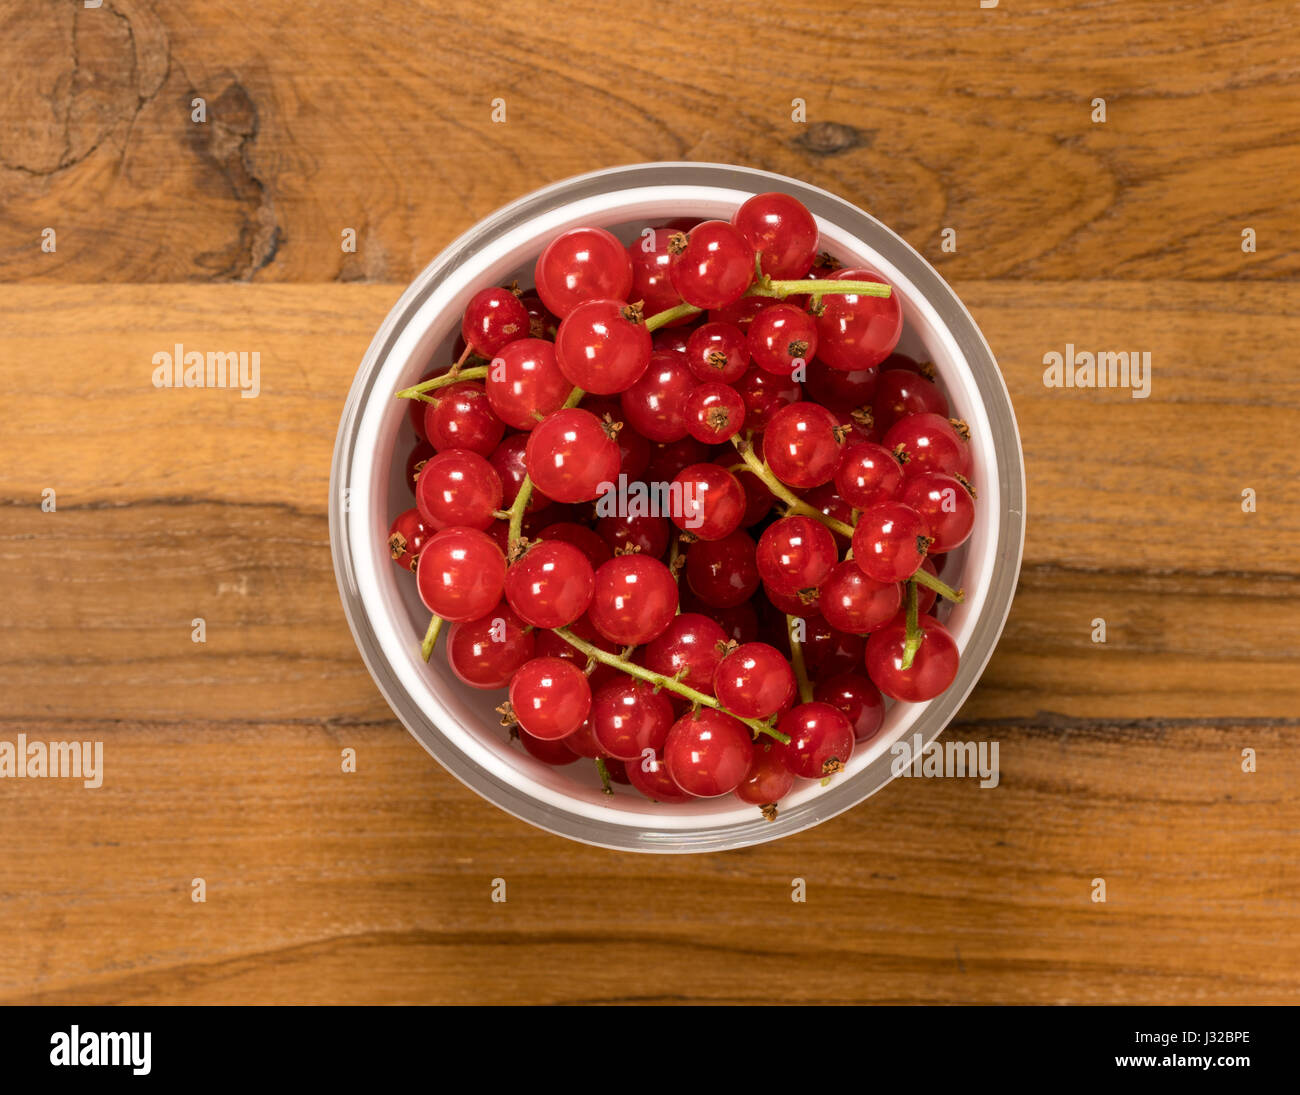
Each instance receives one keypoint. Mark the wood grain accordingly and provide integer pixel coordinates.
(375, 887)
(1120, 760)
(929, 113)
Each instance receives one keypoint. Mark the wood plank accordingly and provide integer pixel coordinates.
(929, 114)
(375, 886)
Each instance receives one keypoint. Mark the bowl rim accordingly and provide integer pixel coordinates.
(994, 398)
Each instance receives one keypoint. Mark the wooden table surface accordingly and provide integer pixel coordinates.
(1120, 761)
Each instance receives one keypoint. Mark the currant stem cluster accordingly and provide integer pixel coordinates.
(660, 681)
(765, 287)
(417, 391)
(795, 504)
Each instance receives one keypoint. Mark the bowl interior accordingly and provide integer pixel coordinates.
(463, 717)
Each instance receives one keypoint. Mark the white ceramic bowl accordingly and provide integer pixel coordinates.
(457, 724)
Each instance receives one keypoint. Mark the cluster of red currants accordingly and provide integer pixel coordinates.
(740, 637)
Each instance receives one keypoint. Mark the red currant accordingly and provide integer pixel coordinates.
(707, 501)
(633, 448)
(493, 318)
(859, 699)
(868, 473)
(900, 393)
(932, 670)
(571, 456)
(551, 584)
(742, 313)
(821, 739)
(583, 741)
(635, 599)
(714, 413)
(826, 499)
(418, 458)
(628, 717)
(462, 574)
(839, 391)
(406, 537)
(945, 505)
(550, 698)
(889, 541)
(655, 405)
(463, 419)
(458, 487)
(670, 340)
(754, 681)
(739, 621)
(583, 264)
(764, 394)
(644, 531)
(650, 777)
(668, 459)
(485, 653)
(722, 573)
(829, 651)
(510, 464)
(856, 332)
(689, 650)
(783, 232)
(852, 602)
(581, 537)
(524, 382)
(802, 444)
(651, 283)
(795, 554)
(803, 603)
(930, 442)
(541, 324)
(603, 346)
(712, 265)
(554, 753)
(718, 352)
(708, 753)
(758, 499)
(781, 338)
(768, 780)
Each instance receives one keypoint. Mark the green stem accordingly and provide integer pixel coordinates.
(925, 578)
(793, 502)
(765, 287)
(796, 660)
(604, 776)
(660, 681)
(430, 637)
(913, 632)
(416, 391)
(676, 312)
(818, 287)
(517, 512)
